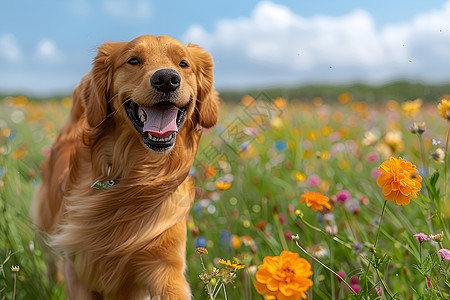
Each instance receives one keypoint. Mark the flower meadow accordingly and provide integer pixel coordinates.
(295, 199)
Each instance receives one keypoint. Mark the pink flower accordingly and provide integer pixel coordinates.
(354, 280)
(445, 253)
(421, 237)
(356, 288)
(314, 180)
(342, 274)
(372, 156)
(343, 195)
(375, 173)
(288, 235)
(282, 219)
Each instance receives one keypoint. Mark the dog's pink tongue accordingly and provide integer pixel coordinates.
(161, 121)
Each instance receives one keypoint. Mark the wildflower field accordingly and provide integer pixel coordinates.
(295, 199)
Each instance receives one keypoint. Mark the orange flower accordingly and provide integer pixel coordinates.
(201, 250)
(210, 171)
(399, 180)
(344, 98)
(20, 153)
(284, 276)
(315, 200)
(221, 185)
(279, 103)
(444, 109)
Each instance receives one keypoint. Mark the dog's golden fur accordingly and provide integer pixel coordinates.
(127, 242)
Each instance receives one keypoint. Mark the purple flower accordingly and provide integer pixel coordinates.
(354, 280)
(343, 195)
(445, 253)
(356, 288)
(421, 237)
(342, 274)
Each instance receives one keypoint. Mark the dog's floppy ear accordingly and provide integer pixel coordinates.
(95, 92)
(208, 101)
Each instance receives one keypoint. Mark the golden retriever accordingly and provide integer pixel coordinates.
(115, 189)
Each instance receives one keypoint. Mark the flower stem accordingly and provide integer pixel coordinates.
(446, 167)
(332, 265)
(374, 246)
(280, 232)
(384, 284)
(422, 154)
(224, 291)
(438, 275)
(15, 279)
(379, 226)
(325, 266)
(420, 253)
(201, 260)
(324, 232)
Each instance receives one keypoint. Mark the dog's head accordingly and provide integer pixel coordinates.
(156, 85)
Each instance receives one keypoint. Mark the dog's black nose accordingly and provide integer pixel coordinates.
(165, 80)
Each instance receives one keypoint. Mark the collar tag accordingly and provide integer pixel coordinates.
(104, 185)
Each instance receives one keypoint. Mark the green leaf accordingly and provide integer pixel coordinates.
(434, 178)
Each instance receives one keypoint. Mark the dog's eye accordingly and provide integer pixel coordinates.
(183, 64)
(133, 61)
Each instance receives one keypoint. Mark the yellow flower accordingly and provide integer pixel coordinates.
(444, 109)
(412, 107)
(315, 200)
(284, 276)
(20, 153)
(399, 180)
(66, 102)
(277, 123)
(235, 241)
(235, 265)
(221, 185)
(299, 176)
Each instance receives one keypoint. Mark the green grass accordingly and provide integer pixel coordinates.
(272, 156)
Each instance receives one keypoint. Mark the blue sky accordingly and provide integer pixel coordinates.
(47, 46)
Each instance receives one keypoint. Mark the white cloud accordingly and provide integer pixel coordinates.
(128, 10)
(274, 39)
(47, 50)
(9, 48)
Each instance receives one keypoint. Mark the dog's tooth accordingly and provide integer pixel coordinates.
(142, 115)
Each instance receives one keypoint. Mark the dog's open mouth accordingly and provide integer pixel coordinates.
(158, 124)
